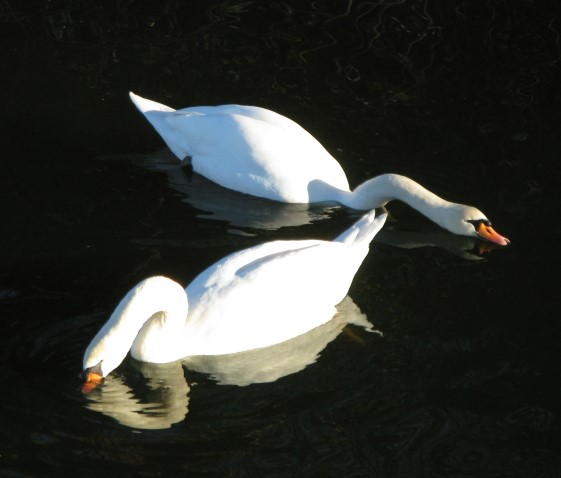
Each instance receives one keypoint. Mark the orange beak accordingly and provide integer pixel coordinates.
(93, 379)
(489, 234)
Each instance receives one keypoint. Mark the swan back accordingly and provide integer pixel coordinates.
(246, 148)
(273, 292)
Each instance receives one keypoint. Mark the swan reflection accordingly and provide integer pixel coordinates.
(461, 246)
(222, 204)
(251, 212)
(167, 401)
(166, 404)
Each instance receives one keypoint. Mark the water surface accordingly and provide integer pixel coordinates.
(462, 379)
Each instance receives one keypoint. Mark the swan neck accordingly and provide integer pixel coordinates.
(378, 191)
(155, 304)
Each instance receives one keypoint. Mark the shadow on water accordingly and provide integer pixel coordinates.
(462, 97)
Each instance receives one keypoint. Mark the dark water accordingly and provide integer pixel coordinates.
(463, 380)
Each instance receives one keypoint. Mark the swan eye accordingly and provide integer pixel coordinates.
(479, 224)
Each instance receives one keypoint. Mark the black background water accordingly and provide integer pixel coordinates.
(462, 96)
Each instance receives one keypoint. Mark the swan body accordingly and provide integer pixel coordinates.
(256, 151)
(254, 298)
(168, 398)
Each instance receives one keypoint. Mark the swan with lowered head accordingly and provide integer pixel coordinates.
(256, 151)
(254, 298)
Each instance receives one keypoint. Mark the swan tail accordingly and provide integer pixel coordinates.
(158, 116)
(364, 230)
(145, 105)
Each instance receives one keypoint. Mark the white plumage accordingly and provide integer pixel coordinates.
(254, 298)
(256, 151)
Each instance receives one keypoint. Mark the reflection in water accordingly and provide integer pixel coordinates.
(271, 363)
(221, 204)
(439, 89)
(464, 247)
(250, 212)
(167, 402)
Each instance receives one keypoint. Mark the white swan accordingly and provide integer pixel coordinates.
(254, 298)
(259, 152)
(167, 401)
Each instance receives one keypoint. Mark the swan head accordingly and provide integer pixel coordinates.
(94, 372)
(93, 376)
(470, 221)
(100, 360)
(145, 310)
(457, 218)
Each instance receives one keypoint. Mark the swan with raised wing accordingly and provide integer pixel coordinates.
(256, 151)
(258, 297)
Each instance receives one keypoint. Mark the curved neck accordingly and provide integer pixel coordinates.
(378, 191)
(153, 310)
